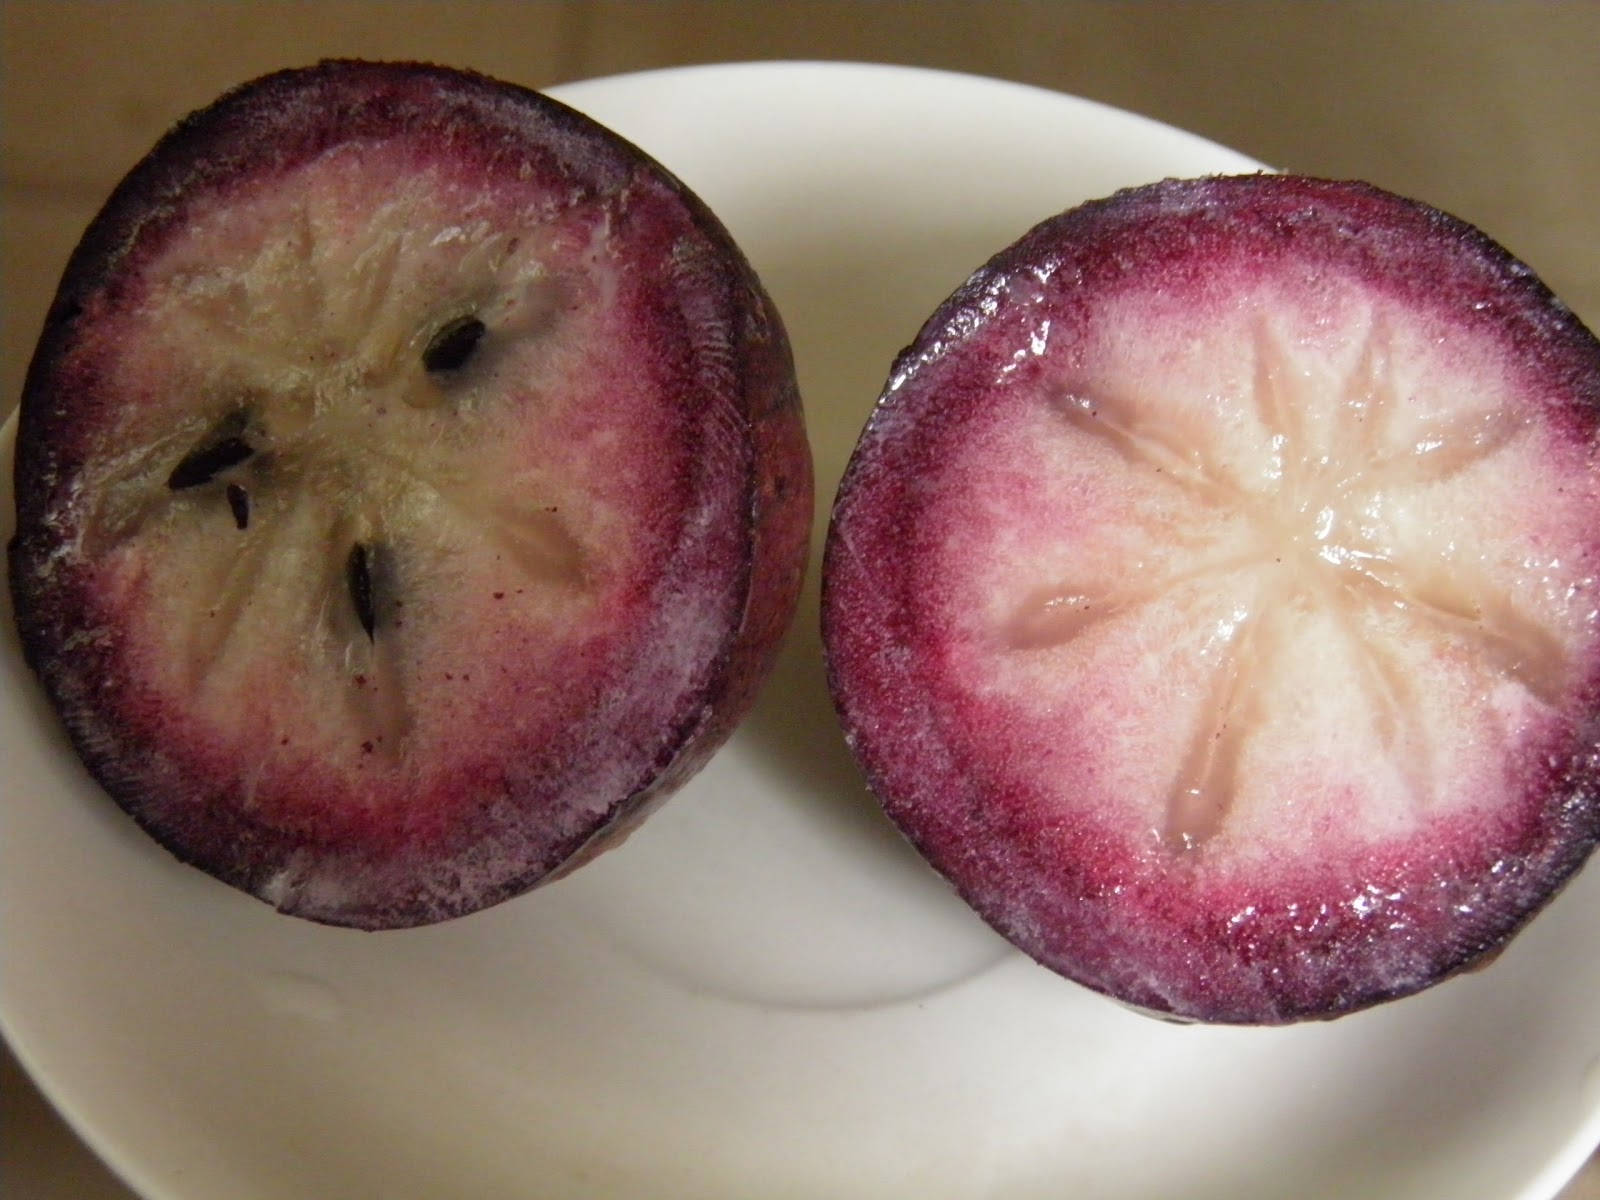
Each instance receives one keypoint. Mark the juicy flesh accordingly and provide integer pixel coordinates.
(1300, 570)
(474, 476)
(1212, 597)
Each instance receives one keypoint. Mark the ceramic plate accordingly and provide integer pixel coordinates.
(764, 994)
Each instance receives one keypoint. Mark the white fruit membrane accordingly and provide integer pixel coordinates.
(1318, 569)
(308, 305)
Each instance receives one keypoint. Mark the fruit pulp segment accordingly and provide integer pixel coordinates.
(1251, 552)
(506, 546)
(1214, 601)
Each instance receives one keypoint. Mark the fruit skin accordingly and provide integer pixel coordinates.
(1069, 893)
(498, 850)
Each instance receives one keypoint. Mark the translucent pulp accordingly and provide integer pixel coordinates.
(1212, 596)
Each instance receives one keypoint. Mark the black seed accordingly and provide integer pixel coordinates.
(204, 464)
(449, 349)
(239, 502)
(358, 576)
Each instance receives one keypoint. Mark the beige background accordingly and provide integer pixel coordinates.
(1486, 109)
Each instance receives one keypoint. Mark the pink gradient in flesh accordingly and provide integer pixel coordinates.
(537, 710)
(1037, 777)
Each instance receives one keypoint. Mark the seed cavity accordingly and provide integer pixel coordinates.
(449, 348)
(205, 463)
(358, 578)
(239, 505)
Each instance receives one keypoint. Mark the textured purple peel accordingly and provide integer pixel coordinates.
(1212, 596)
(522, 520)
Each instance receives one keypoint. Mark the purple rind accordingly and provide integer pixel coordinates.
(223, 142)
(1508, 295)
(876, 684)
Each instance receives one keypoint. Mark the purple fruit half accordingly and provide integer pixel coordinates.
(1212, 596)
(412, 491)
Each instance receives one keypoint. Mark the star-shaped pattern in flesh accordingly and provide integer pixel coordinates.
(1318, 541)
(303, 359)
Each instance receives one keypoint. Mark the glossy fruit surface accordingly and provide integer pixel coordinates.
(1212, 596)
(412, 491)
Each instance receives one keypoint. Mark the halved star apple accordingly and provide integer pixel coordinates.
(1212, 596)
(412, 491)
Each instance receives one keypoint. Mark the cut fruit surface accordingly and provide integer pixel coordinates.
(1212, 596)
(412, 491)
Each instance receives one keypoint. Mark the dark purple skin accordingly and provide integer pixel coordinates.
(1081, 895)
(715, 343)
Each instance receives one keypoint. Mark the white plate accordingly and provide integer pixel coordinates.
(763, 994)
